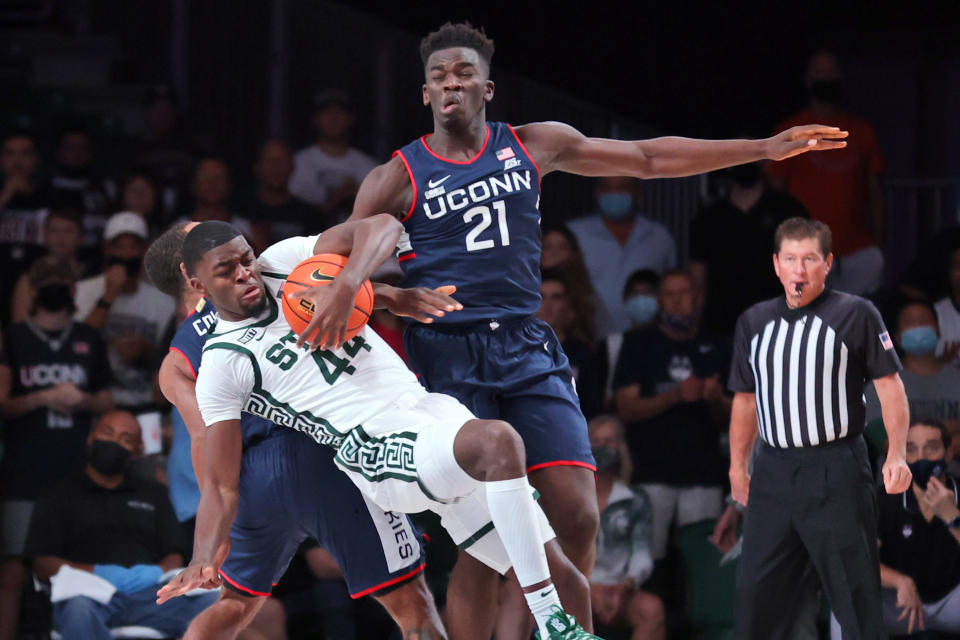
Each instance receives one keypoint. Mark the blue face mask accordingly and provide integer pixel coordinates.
(919, 341)
(641, 309)
(615, 205)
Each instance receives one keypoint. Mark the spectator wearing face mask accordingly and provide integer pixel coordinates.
(669, 385)
(731, 244)
(640, 302)
(932, 387)
(132, 314)
(919, 534)
(616, 242)
(103, 522)
(59, 379)
(623, 546)
(842, 190)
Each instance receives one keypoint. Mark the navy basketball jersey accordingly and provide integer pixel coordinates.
(188, 341)
(476, 225)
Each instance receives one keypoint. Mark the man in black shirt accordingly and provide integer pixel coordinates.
(275, 213)
(730, 244)
(799, 367)
(920, 540)
(669, 391)
(58, 375)
(123, 531)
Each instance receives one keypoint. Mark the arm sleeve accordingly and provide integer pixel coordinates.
(741, 372)
(879, 355)
(223, 385)
(283, 256)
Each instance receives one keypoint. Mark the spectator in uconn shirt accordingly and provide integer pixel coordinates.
(101, 521)
(59, 376)
(669, 385)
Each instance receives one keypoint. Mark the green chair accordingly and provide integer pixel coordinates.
(710, 587)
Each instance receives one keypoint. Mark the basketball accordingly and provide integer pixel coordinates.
(318, 271)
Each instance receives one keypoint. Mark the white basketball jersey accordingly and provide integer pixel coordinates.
(255, 366)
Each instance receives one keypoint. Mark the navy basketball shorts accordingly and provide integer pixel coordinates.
(512, 370)
(290, 490)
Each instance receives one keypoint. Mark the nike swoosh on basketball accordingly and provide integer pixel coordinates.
(316, 275)
(432, 184)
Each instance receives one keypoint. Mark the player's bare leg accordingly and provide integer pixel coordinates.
(412, 608)
(568, 495)
(225, 618)
(491, 451)
(513, 618)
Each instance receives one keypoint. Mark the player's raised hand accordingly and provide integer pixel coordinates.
(332, 305)
(420, 303)
(809, 137)
(896, 474)
(195, 576)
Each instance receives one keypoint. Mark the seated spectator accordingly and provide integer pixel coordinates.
(139, 194)
(103, 522)
(948, 313)
(274, 212)
(130, 311)
(557, 310)
(76, 182)
(328, 173)
(669, 386)
(731, 244)
(640, 301)
(623, 545)
(618, 241)
(211, 194)
(165, 149)
(920, 540)
(57, 377)
(932, 387)
(562, 252)
(24, 201)
(62, 233)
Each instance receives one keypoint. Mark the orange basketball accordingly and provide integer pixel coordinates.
(318, 271)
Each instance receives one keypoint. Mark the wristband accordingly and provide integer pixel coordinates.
(954, 524)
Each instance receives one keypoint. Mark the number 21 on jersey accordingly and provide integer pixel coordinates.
(483, 212)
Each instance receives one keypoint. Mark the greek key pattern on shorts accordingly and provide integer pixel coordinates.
(376, 459)
(284, 416)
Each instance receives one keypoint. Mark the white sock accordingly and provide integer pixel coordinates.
(514, 515)
(542, 603)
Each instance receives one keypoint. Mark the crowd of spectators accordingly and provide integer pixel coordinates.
(81, 480)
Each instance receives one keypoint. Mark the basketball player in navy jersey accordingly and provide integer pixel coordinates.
(468, 196)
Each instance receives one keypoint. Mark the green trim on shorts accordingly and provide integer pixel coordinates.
(484, 530)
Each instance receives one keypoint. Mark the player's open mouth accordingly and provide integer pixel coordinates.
(449, 106)
(251, 293)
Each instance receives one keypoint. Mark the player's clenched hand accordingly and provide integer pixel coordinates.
(896, 474)
(810, 137)
(196, 576)
(332, 305)
(420, 303)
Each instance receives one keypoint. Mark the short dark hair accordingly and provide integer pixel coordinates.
(641, 276)
(801, 228)
(204, 237)
(163, 258)
(911, 301)
(555, 275)
(460, 34)
(936, 424)
(65, 213)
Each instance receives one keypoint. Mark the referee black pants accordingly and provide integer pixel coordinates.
(816, 507)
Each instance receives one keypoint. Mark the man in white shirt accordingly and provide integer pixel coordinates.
(328, 173)
(131, 312)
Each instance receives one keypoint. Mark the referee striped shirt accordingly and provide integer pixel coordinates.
(808, 366)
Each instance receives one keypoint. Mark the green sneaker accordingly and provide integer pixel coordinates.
(563, 626)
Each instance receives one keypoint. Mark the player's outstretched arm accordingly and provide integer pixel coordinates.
(386, 189)
(559, 147)
(368, 243)
(179, 388)
(215, 513)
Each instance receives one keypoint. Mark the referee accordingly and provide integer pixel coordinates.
(799, 368)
